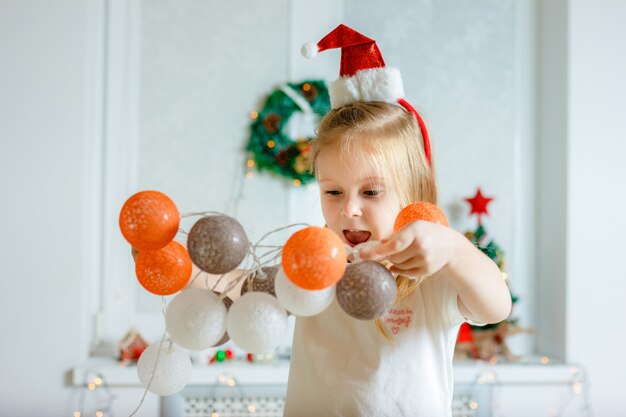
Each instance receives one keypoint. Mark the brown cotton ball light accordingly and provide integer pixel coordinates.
(366, 291)
(262, 281)
(217, 244)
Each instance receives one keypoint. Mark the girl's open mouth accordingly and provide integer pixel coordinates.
(354, 237)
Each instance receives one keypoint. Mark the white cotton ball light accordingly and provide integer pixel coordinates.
(309, 50)
(257, 322)
(299, 301)
(171, 373)
(196, 319)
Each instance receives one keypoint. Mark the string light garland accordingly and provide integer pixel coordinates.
(241, 325)
(271, 148)
(95, 383)
(490, 377)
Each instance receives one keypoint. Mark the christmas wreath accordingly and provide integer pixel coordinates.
(270, 147)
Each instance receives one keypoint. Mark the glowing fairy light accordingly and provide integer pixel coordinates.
(578, 388)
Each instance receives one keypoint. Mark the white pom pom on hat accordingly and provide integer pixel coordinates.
(309, 50)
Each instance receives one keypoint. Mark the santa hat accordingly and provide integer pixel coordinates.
(363, 74)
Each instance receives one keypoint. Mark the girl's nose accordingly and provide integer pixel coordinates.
(351, 209)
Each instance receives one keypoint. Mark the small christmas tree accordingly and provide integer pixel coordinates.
(486, 342)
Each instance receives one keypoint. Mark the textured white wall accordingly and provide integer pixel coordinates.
(202, 72)
(457, 62)
(204, 67)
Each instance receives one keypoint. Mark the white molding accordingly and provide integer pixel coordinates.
(123, 28)
(552, 182)
(93, 170)
(522, 252)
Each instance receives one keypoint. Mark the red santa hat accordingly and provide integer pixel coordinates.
(363, 74)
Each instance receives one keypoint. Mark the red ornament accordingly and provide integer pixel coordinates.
(465, 334)
(479, 204)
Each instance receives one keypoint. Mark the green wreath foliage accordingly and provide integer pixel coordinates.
(271, 149)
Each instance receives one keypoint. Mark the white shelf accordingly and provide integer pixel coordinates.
(116, 374)
(531, 372)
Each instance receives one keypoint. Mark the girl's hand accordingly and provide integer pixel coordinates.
(419, 249)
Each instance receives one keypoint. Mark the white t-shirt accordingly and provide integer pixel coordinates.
(344, 367)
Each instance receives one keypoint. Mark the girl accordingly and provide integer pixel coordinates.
(369, 165)
(371, 157)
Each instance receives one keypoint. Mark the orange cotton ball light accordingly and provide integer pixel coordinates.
(149, 220)
(164, 271)
(314, 258)
(420, 211)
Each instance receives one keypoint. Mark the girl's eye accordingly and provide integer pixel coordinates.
(332, 192)
(372, 193)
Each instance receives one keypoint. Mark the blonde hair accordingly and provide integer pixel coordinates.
(388, 136)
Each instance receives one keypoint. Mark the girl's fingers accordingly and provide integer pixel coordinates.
(368, 250)
(405, 255)
(396, 244)
(410, 264)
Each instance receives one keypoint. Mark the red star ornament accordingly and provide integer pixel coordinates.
(479, 204)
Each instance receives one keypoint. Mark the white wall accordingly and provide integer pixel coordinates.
(582, 145)
(43, 140)
(596, 198)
